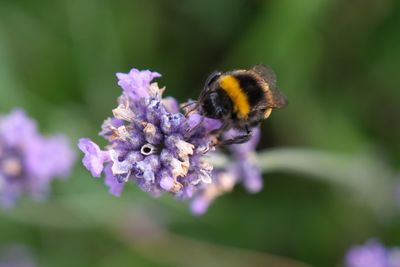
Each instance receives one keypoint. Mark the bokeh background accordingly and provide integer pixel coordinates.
(337, 61)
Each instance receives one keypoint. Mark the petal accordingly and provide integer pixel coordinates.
(108, 127)
(186, 192)
(175, 166)
(145, 171)
(394, 257)
(120, 166)
(136, 84)
(48, 157)
(167, 183)
(9, 192)
(193, 120)
(209, 124)
(154, 110)
(94, 157)
(253, 183)
(170, 104)
(172, 122)
(17, 128)
(123, 112)
(182, 148)
(152, 134)
(249, 146)
(252, 176)
(371, 254)
(114, 186)
(199, 205)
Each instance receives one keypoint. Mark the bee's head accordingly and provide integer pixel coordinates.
(216, 105)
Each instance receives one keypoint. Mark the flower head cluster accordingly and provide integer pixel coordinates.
(28, 160)
(150, 142)
(373, 254)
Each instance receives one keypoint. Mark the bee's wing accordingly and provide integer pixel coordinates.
(267, 73)
(278, 99)
(212, 77)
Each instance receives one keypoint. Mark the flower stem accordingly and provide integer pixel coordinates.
(367, 176)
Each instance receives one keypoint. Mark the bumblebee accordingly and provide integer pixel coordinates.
(241, 99)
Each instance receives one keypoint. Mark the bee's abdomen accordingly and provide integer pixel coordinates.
(252, 88)
(231, 86)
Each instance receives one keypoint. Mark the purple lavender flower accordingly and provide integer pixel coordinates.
(394, 257)
(243, 169)
(29, 161)
(372, 254)
(246, 164)
(224, 181)
(16, 256)
(150, 143)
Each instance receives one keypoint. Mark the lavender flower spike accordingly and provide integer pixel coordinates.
(373, 254)
(150, 143)
(246, 164)
(29, 161)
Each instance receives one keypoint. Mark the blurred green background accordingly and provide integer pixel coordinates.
(337, 61)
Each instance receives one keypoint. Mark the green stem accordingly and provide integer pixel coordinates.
(366, 176)
(159, 245)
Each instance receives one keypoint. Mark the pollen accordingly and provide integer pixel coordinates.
(231, 86)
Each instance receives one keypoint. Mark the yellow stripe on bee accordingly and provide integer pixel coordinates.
(231, 86)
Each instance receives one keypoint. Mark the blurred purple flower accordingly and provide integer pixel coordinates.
(150, 143)
(224, 181)
(247, 168)
(29, 161)
(16, 256)
(394, 257)
(244, 169)
(372, 254)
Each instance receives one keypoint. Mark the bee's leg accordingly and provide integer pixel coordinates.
(195, 128)
(237, 140)
(187, 110)
(240, 139)
(185, 105)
